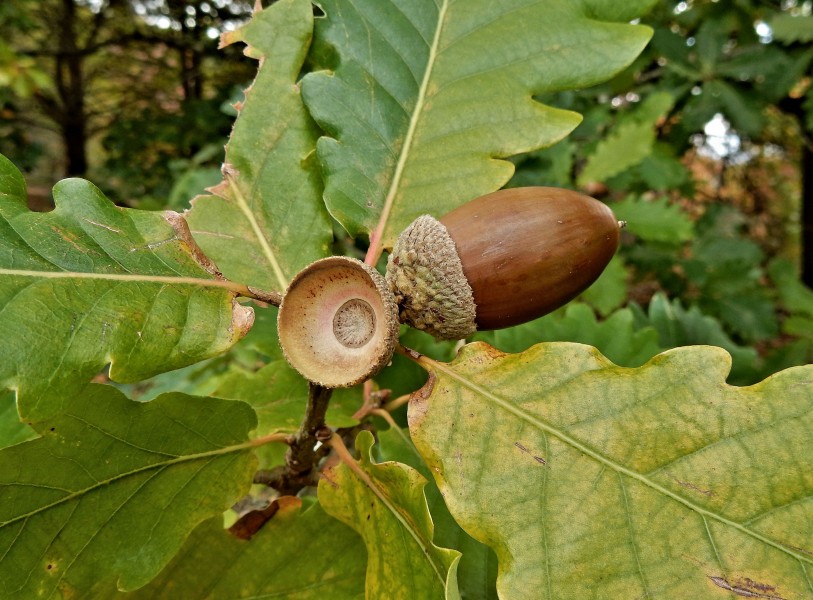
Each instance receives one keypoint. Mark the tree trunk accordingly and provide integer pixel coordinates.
(71, 88)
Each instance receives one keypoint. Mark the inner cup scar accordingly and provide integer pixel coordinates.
(354, 323)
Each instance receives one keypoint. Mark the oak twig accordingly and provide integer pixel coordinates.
(302, 457)
(272, 298)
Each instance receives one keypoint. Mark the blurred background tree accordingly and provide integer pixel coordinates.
(704, 146)
(129, 92)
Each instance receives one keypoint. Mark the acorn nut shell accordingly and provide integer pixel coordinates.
(338, 322)
(519, 253)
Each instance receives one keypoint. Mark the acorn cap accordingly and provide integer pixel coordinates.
(426, 277)
(338, 322)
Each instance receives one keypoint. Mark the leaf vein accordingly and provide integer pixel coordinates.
(597, 456)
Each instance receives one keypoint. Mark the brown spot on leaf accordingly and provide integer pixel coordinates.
(418, 405)
(747, 588)
(182, 233)
(488, 351)
(691, 486)
(538, 459)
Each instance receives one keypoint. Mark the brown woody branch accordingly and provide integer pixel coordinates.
(303, 457)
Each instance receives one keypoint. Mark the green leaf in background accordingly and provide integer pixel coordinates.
(387, 507)
(749, 313)
(617, 337)
(191, 183)
(629, 143)
(808, 106)
(477, 570)
(267, 219)
(744, 112)
(662, 169)
(654, 220)
(549, 167)
(279, 394)
(424, 97)
(300, 554)
(199, 379)
(794, 296)
(789, 29)
(609, 291)
(113, 487)
(90, 284)
(677, 326)
(263, 336)
(591, 480)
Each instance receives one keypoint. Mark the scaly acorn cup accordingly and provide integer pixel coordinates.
(338, 322)
(500, 260)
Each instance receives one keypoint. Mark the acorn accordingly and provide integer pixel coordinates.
(338, 322)
(500, 260)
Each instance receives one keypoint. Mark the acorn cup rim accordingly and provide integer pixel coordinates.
(338, 322)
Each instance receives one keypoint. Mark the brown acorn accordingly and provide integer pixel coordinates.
(500, 260)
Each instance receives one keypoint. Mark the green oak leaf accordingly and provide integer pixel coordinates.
(617, 336)
(609, 292)
(794, 295)
(12, 430)
(477, 570)
(267, 220)
(789, 29)
(630, 142)
(112, 488)
(424, 99)
(279, 394)
(387, 507)
(591, 480)
(300, 554)
(678, 326)
(654, 220)
(91, 283)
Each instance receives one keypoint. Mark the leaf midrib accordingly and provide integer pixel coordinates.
(163, 279)
(265, 245)
(157, 465)
(607, 462)
(424, 545)
(417, 112)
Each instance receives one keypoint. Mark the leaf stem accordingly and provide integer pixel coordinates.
(397, 403)
(279, 438)
(380, 412)
(423, 361)
(272, 298)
